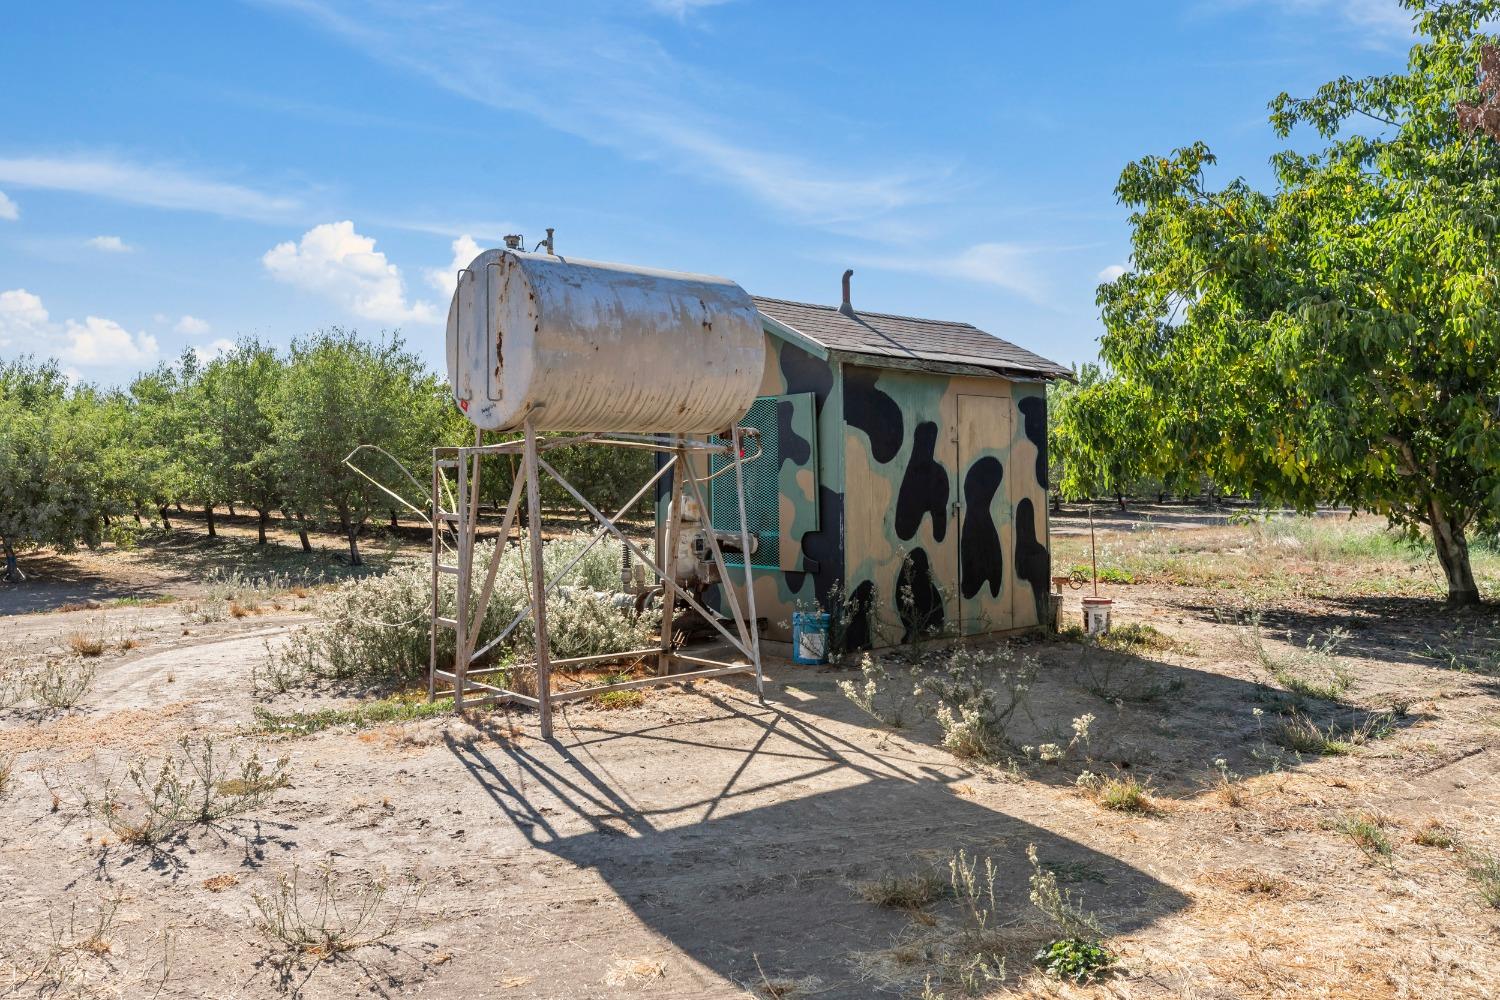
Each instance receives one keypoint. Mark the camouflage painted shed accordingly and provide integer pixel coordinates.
(903, 485)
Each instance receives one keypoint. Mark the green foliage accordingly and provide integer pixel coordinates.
(54, 462)
(1336, 339)
(373, 713)
(378, 628)
(1101, 438)
(338, 392)
(1075, 960)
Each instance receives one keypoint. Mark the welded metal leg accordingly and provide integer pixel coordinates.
(437, 507)
(669, 560)
(739, 492)
(538, 586)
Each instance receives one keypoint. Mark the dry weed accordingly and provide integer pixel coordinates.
(327, 912)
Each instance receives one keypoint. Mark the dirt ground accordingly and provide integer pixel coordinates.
(702, 844)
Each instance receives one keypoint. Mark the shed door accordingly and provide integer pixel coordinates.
(985, 522)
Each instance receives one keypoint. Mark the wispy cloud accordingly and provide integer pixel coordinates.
(9, 210)
(1379, 23)
(110, 244)
(1008, 266)
(606, 81)
(1111, 272)
(153, 185)
(680, 9)
(192, 326)
(336, 262)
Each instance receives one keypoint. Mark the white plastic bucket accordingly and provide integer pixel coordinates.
(1096, 615)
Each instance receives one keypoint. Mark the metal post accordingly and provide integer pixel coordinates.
(436, 520)
(465, 544)
(668, 561)
(538, 585)
(739, 492)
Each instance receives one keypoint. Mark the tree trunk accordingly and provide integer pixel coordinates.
(162, 510)
(1120, 499)
(352, 530)
(105, 514)
(13, 572)
(179, 507)
(394, 524)
(231, 510)
(137, 515)
(208, 512)
(1453, 555)
(301, 530)
(265, 518)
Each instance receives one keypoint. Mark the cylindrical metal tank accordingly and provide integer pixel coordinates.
(585, 346)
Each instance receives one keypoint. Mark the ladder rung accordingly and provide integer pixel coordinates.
(447, 569)
(444, 515)
(447, 463)
(450, 622)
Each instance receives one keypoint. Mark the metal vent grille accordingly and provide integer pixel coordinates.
(762, 497)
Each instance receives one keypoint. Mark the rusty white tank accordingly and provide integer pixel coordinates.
(585, 346)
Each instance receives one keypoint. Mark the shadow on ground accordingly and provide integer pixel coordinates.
(758, 878)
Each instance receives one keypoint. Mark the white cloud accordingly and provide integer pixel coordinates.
(1111, 272)
(9, 210)
(154, 185)
(217, 348)
(190, 325)
(338, 263)
(98, 341)
(110, 244)
(464, 252)
(23, 319)
(1003, 265)
(613, 85)
(26, 326)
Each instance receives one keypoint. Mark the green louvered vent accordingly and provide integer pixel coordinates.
(762, 505)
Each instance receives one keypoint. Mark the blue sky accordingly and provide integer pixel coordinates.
(179, 174)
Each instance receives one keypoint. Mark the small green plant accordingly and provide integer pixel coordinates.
(1075, 960)
(1077, 954)
(628, 698)
(1466, 650)
(1122, 794)
(1295, 731)
(1483, 867)
(1107, 574)
(1368, 833)
(1312, 670)
(1434, 834)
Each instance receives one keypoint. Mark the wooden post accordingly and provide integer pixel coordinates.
(538, 585)
(668, 561)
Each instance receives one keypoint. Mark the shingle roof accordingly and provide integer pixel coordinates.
(909, 337)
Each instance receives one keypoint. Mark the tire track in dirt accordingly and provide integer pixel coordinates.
(214, 669)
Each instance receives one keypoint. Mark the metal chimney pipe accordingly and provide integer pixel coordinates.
(846, 307)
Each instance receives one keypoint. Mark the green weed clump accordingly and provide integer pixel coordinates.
(1122, 794)
(377, 629)
(373, 713)
(1368, 834)
(201, 784)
